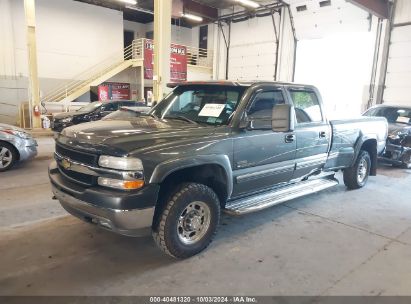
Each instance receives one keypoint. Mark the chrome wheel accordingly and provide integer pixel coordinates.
(193, 222)
(362, 170)
(6, 157)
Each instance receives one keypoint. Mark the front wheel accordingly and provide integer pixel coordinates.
(188, 221)
(8, 156)
(356, 176)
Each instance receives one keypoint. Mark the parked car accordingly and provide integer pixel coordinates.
(398, 148)
(93, 111)
(209, 146)
(15, 145)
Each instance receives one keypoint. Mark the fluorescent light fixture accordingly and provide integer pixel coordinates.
(193, 17)
(139, 9)
(248, 3)
(133, 2)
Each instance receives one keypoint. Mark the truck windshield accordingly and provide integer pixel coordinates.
(209, 104)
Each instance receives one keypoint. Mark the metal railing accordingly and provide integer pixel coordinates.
(133, 51)
(200, 57)
(195, 57)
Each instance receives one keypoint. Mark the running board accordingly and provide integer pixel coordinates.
(279, 195)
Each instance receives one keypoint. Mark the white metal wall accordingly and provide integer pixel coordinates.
(398, 78)
(253, 49)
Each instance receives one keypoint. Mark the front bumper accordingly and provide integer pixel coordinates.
(395, 153)
(27, 148)
(105, 208)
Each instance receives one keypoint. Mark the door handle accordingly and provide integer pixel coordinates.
(323, 134)
(289, 138)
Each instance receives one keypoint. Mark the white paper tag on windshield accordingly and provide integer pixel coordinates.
(403, 119)
(212, 109)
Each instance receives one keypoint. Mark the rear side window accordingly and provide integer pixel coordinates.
(307, 106)
(263, 104)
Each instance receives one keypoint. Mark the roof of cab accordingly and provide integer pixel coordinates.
(230, 83)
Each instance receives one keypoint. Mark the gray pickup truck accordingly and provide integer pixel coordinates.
(209, 147)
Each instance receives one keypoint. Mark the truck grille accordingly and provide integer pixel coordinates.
(81, 157)
(77, 177)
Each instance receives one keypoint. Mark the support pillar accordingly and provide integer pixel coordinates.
(162, 41)
(34, 89)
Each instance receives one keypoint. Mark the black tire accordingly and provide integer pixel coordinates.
(8, 156)
(406, 160)
(169, 231)
(352, 177)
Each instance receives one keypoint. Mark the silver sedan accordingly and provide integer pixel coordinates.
(15, 145)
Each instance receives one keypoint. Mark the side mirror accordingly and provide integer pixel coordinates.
(283, 118)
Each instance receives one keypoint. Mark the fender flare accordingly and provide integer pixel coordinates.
(361, 140)
(162, 170)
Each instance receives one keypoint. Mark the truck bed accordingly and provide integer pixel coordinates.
(345, 135)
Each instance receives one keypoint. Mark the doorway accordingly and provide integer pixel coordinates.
(128, 39)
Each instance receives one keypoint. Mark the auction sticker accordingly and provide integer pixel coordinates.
(212, 109)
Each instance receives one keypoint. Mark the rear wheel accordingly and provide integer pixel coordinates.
(8, 156)
(356, 176)
(188, 221)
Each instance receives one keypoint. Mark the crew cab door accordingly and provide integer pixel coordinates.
(262, 157)
(313, 132)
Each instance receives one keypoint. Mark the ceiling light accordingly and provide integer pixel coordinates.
(248, 3)
(133, 2)
(193, 17)
(139, 9)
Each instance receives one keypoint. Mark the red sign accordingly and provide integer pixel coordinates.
(120, 91)
(148, 59)
(178, 61)
(113, 91)
(103, 92)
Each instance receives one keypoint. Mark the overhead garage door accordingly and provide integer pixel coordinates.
(253, 50)
(397, 83)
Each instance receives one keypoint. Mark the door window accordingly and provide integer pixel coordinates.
(307, 106)
(261, 110)
(263, 104)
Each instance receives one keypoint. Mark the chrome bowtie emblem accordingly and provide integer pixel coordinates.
(65, 164)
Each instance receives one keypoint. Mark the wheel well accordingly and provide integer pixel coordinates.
(370, 145)
(211, 175)
(13, 147)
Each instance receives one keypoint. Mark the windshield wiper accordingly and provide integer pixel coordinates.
(180, 117)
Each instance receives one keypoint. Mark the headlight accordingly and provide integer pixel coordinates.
(67, 119)
(121, 163)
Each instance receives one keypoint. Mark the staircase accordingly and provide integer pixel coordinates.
(133, 55)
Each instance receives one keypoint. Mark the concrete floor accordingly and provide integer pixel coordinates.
(336, 242)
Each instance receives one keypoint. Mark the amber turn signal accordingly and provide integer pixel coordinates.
(120, 184)
(137, 184)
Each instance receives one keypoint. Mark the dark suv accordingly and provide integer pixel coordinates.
(93, 111)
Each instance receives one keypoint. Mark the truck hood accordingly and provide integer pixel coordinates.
(394, 128)
(126, 136)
